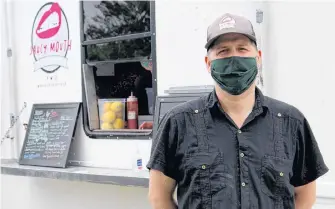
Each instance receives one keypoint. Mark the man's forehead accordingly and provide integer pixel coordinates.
(232, 37)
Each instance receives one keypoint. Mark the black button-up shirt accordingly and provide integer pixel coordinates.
(217, 165)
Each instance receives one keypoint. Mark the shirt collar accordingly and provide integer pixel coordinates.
(261, 102)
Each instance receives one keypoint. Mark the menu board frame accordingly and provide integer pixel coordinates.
(60, 162)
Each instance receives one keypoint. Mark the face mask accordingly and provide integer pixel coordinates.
(147, 65)
(234, 74)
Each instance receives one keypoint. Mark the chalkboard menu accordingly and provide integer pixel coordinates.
(49, 134)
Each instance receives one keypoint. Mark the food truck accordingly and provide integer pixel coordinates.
(84, 85)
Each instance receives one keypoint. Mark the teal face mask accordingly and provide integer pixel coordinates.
(147, 65)
(234, 74)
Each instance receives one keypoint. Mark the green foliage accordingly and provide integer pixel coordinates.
(118, 18)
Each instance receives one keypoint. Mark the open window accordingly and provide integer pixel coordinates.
(119, 60)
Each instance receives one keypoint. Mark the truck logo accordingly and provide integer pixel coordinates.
(50, 22)
(227, 22)
(50, 38)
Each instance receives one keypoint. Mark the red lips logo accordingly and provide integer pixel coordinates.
(50, 22)
(50, 38)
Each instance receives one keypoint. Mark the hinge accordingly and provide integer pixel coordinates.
(9, 52)
(259, 16)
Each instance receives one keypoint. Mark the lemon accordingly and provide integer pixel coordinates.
(118, 124)
(108, 117)
(107, 106)
(116, 106)
(106, 126)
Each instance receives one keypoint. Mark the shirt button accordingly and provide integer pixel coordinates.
(239, 131)
(279, 114)
(203, 167)
(243, 184)
(281, 174)
(196, 111)
(242, 154)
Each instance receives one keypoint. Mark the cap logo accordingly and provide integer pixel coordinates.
(227, 22)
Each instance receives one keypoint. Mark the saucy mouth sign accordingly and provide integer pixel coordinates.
(50, 38)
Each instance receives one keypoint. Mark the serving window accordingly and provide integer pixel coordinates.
(119, 68)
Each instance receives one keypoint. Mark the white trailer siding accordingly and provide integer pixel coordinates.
(297, 49)
(6, 87)
(300, 69)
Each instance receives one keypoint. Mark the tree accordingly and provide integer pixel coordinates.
(117, 18)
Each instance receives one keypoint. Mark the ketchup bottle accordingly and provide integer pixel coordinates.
(132, 112)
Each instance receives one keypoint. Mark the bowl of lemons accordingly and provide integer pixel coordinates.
(112, 113)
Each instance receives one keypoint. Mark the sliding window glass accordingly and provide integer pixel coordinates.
(119, 65)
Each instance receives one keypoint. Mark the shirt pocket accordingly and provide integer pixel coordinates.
(206, 173)
(275, 177)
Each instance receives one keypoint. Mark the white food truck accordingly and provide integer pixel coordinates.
(78, 63)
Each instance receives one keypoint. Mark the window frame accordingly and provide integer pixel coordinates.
(122, 134)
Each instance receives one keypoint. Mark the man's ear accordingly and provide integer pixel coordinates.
(208, 64)
(260, 53)
(259, 59)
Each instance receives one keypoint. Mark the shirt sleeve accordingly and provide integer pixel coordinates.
(308, 163)
(164, 147)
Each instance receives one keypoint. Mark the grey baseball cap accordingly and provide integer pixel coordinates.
(229, 23)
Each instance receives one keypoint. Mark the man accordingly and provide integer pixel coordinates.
(143, 81)
(234, 148)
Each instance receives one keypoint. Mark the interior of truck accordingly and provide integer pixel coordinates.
(121, 80)
(117, 45)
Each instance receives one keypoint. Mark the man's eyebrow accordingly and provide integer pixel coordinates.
(221, 47)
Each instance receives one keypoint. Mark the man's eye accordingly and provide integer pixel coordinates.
(243, 49)
(223, 51)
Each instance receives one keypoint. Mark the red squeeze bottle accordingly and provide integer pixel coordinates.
(132, 112)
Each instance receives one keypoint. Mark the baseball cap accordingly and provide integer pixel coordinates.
(229, 23)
